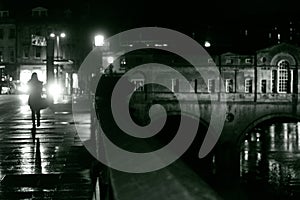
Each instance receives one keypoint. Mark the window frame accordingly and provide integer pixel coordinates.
(261, 86)
(248, 86)
(282, 77)
(138, 88)
(209, 85)
(227, 88)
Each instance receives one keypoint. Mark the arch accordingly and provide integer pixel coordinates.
(262, 119)
(139, 75)
(283, 56)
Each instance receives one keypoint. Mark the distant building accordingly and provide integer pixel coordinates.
(23, 46)
(7, 45)
(270, 74)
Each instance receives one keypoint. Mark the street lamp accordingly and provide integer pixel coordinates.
(58, 36)
(207, 44)
(99, 40)
(54, 88)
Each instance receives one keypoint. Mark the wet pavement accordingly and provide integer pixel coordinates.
(49, 162)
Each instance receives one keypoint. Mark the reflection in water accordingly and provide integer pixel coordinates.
(270, 162)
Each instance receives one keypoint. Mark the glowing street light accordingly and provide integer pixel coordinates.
(99, 40)
(62, 35)
(52, 35)
(58, 36)
(207, 44)
(110, 60)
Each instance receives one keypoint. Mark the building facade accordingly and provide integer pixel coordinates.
(23, 46)
(7, 46)
(270, 74)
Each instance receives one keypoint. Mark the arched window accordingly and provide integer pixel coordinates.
(283, 76)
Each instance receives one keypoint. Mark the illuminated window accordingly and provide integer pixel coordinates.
(283, 76)
(229, 61)
(175, 85)
(138, 84)
(248, 61)
(122, 63)
(211, 85)
(229, 85)
(248, 85)
(263, 86)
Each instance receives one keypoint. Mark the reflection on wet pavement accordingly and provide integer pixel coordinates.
(48, 162)
(270, 162)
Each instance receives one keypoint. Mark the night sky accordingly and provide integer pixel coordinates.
(223, 18)
(171, 13)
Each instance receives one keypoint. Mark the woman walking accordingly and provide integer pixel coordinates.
(35, 98)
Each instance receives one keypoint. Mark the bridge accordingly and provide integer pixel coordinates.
(243, 112)
(254, 94)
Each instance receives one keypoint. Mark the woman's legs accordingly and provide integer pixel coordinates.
(38, 115)
(33, 117)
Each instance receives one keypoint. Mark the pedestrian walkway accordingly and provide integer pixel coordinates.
(47, 163)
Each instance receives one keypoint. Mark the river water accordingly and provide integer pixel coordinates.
(270, 162)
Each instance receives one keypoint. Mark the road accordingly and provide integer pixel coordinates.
(47, 163)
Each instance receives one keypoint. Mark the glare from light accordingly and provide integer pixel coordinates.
(55, 90)
(52, 35)
(207, 44)
(23, 98)
(62, 35)
(99, 40)
(110, 59)
(23, 88)
(246, 155)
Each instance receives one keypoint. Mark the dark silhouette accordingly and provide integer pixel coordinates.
(35, 98)
(33, 133)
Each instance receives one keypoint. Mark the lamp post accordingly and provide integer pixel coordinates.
(57, 37)
(53, 47)
(99, 40)
(50, 67)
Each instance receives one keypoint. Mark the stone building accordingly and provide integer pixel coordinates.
(265, 75)
(7, 45)
(23, 45)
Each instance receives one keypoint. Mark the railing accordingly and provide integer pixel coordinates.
(177, 180)
(211, 97)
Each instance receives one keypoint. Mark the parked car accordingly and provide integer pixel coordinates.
(7, 87)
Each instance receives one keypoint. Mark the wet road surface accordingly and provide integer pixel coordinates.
(47, 163)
